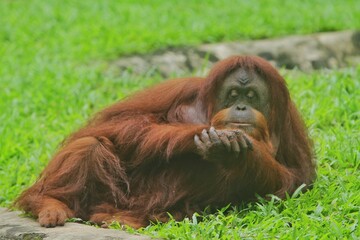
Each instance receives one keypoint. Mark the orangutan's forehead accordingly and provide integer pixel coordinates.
(242, 76)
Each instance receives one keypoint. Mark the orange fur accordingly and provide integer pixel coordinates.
(136, 161)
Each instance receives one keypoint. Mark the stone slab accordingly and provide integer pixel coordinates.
(14, 226)
(307, 53)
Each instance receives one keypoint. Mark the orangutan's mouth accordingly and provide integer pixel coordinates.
(239, 124)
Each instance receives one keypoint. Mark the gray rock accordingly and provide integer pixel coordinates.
(307, 53)
(170, 63)
(322, 50)
(13, 226)
(135, 64)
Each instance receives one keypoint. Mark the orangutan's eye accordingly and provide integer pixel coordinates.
(233, 94)
(250, 94)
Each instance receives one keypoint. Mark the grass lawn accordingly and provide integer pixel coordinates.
(53, 62)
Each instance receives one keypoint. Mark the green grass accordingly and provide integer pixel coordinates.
(53, 73)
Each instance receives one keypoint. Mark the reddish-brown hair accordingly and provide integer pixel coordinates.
(136, 160)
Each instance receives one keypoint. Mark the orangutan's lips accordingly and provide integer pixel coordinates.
(239, 124)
